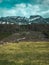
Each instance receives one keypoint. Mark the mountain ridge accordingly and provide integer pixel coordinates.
(23, 20)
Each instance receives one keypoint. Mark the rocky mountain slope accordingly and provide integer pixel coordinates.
(23, 20)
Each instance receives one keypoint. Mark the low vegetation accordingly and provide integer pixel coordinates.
(4, 35)
(24, 53)
(46, 33)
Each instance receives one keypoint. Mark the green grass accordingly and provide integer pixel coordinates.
(24, 53)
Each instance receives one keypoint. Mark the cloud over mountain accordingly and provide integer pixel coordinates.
(24, 7)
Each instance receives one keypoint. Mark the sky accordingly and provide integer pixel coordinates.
(24, 8)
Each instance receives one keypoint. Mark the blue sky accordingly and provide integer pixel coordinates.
(24, 8)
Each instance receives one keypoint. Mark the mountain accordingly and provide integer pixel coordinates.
(47, 19)
(23, 20)
(36, 25)
(37, 19)
(14, 20)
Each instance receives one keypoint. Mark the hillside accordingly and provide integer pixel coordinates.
(37, 27)
(24, 41)
(25, 36)
(9, 32)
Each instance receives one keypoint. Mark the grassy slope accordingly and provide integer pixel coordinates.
(24, 53)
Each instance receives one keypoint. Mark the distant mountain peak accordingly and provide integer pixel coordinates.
(23, 20)
(35, 16)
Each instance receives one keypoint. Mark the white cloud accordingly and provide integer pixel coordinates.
(23, 10)
(1, 1)
(45, 4)
(45, 12)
